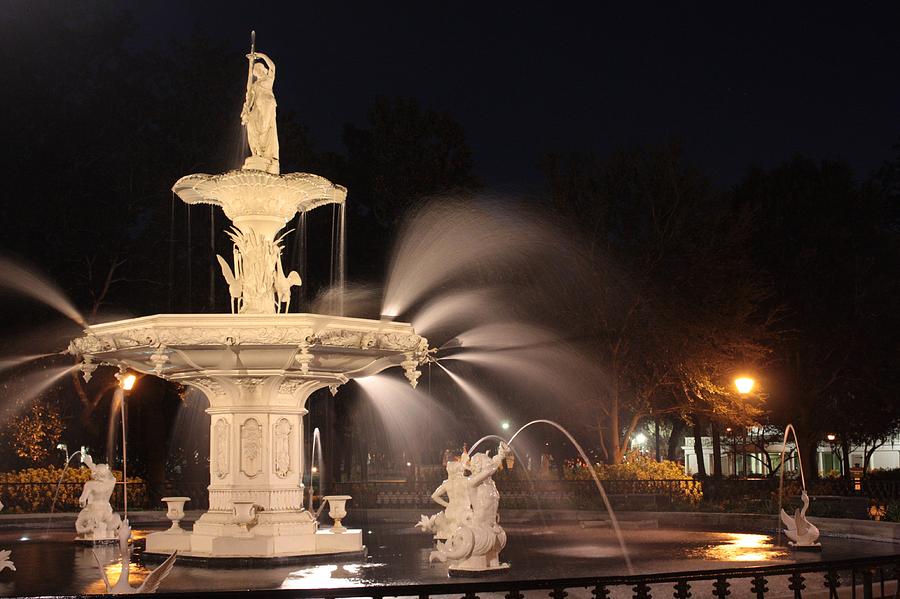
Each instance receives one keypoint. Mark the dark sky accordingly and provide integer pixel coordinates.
(737, 86)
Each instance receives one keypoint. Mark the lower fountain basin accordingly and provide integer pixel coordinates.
(397, 555)
(176, 346)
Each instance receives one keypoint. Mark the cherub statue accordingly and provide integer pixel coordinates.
(475, 544)
(457, 506)
(97, 521)
(5, 554)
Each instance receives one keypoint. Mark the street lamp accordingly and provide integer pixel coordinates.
(831, 437)
(505, 425)
(126, 383)
(744, 385)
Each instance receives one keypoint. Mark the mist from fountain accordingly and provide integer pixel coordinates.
(609, 509)
(30, 386)
(16, 361)
(404, 413)
(58, 485)
(452, 310)
(478, 398)
(16, 278)
(315, 450)
(451, 239)
(789, 429)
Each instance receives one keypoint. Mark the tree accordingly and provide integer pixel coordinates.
(405, 154)
(33, 435)
(831, 255)
(669, 317)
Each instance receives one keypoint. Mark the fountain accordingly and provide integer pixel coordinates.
(258, 365)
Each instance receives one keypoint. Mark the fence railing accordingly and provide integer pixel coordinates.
(514, 494)
(19, 497)
(868, 577)
(525, 494)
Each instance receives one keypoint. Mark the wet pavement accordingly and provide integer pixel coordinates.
(48, 563)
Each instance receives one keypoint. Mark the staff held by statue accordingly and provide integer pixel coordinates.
(251, 58)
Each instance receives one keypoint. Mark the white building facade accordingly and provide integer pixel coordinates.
(743, 459)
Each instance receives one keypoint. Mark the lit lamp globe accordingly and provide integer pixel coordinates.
(744, 385)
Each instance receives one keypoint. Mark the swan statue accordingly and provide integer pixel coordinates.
(122, 587)
(801, 532)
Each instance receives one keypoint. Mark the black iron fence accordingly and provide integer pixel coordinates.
(524, 494)
(514, 494)
(19, 497)
(866, 577)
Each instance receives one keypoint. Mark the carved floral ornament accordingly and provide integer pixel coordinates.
(161, 337)
(251, 448)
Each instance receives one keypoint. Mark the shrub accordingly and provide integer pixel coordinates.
(32, 489)
(635, 467)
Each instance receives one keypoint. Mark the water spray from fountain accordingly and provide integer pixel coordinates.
(16, 278)
(612, 516)
(315, 450)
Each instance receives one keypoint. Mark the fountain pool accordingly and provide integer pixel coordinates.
(397, 555)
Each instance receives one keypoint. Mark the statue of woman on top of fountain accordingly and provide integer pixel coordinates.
(258, 115)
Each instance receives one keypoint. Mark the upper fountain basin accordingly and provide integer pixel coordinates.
(264, 200)
(177, 346)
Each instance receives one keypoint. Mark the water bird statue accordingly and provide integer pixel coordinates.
(474, 546)
(97, 522)
(122, 587)
(801, 532)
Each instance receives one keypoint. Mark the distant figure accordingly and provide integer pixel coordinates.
(258, 115)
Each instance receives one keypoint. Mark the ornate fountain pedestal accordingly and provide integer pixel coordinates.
(257, 372)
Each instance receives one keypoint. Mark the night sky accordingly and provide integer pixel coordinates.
(737, 86)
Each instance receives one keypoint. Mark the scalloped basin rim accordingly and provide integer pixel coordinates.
(314, 321)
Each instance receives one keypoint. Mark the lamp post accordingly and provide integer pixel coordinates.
(744, 385)
(126, 383)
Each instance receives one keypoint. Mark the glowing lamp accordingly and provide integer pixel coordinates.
(831, 437)
(505, 425)
(744, 385)
(640, 438)
(128, 381)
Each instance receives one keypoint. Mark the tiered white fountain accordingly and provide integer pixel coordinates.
(258, 365)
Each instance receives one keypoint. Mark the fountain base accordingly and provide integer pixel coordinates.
(272, 535)
(461, 571)
(815, 547)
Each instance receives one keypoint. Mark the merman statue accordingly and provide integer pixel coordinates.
(97, 522)
(473, 547)
(457, 506)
